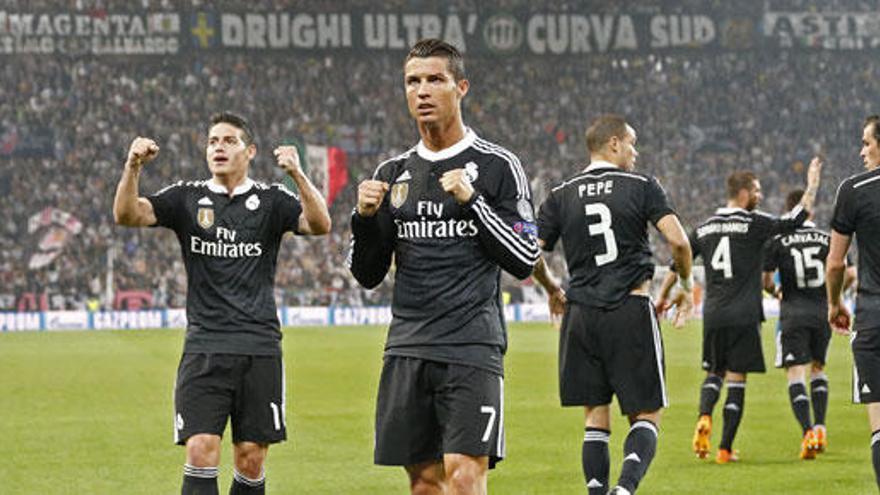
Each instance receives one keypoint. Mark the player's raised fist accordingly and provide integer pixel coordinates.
(288, 159)
(456, 183)
(370, 195)
(142, 150)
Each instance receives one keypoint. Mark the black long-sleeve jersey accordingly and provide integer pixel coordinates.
(602, 215)
(857, 212)
(800, 258)
(230, 250)
(446, 304)
(731, 243)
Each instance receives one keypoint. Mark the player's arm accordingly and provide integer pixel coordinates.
(849, 277)
(129, 209)
(799, 214)
(663, 302)
(769, 284)
(555, 294)
(835, 266)
(814, 175)
(315, 218)
(771, 263)
(516, 253)
(682, 257)
(372, 235)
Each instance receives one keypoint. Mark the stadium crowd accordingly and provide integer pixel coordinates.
(66, 123)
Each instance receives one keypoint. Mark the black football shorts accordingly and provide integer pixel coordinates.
(802, 342)
(612, 352)
(734, 348)
(866, 366)
(246, 389)
(426, 409)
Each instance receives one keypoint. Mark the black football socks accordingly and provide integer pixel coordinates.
(638, 451)
(733, 412)
(199, 480)
(595, 460)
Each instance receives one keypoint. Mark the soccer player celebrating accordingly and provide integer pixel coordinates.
(451, 212)
(610, 341)
(731, 243)
(855, 213)
(803, 342)
(230, 228)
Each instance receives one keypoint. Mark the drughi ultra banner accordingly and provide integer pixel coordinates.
(647, 28)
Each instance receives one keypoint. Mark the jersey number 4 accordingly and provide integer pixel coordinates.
(721, 258)
(804, 260)
(603, 228)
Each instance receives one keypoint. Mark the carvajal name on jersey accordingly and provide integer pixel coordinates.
(723, 228)
(805, 237)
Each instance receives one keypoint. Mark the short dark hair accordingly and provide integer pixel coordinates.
(739, 180)
(603, 129)
(793, 199)
(433, 47)
(235, 120)
(874, 119)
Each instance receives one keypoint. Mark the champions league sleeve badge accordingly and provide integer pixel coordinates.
(524, 208)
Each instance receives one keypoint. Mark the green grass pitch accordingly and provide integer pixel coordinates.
(90, 413)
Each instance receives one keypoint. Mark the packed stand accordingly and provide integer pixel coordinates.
(697, 117)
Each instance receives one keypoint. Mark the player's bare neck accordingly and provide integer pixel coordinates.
(439, 136)
(603, 157)
(230, 181)
(732, 203)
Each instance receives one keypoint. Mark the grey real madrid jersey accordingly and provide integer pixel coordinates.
(448, 257)
(731, 243)
(857, 212)
(800, 258)
(602, 216)
(230, 250)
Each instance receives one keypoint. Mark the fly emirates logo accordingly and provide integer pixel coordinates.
(225, 246)
(428, 228)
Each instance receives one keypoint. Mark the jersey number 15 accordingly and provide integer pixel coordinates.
(805, 259)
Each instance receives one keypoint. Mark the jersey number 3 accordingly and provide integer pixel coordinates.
(603, 228)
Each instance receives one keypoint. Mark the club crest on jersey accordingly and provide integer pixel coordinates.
(252, 203)
(205, 217)
(471, 171)
(399, 193)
